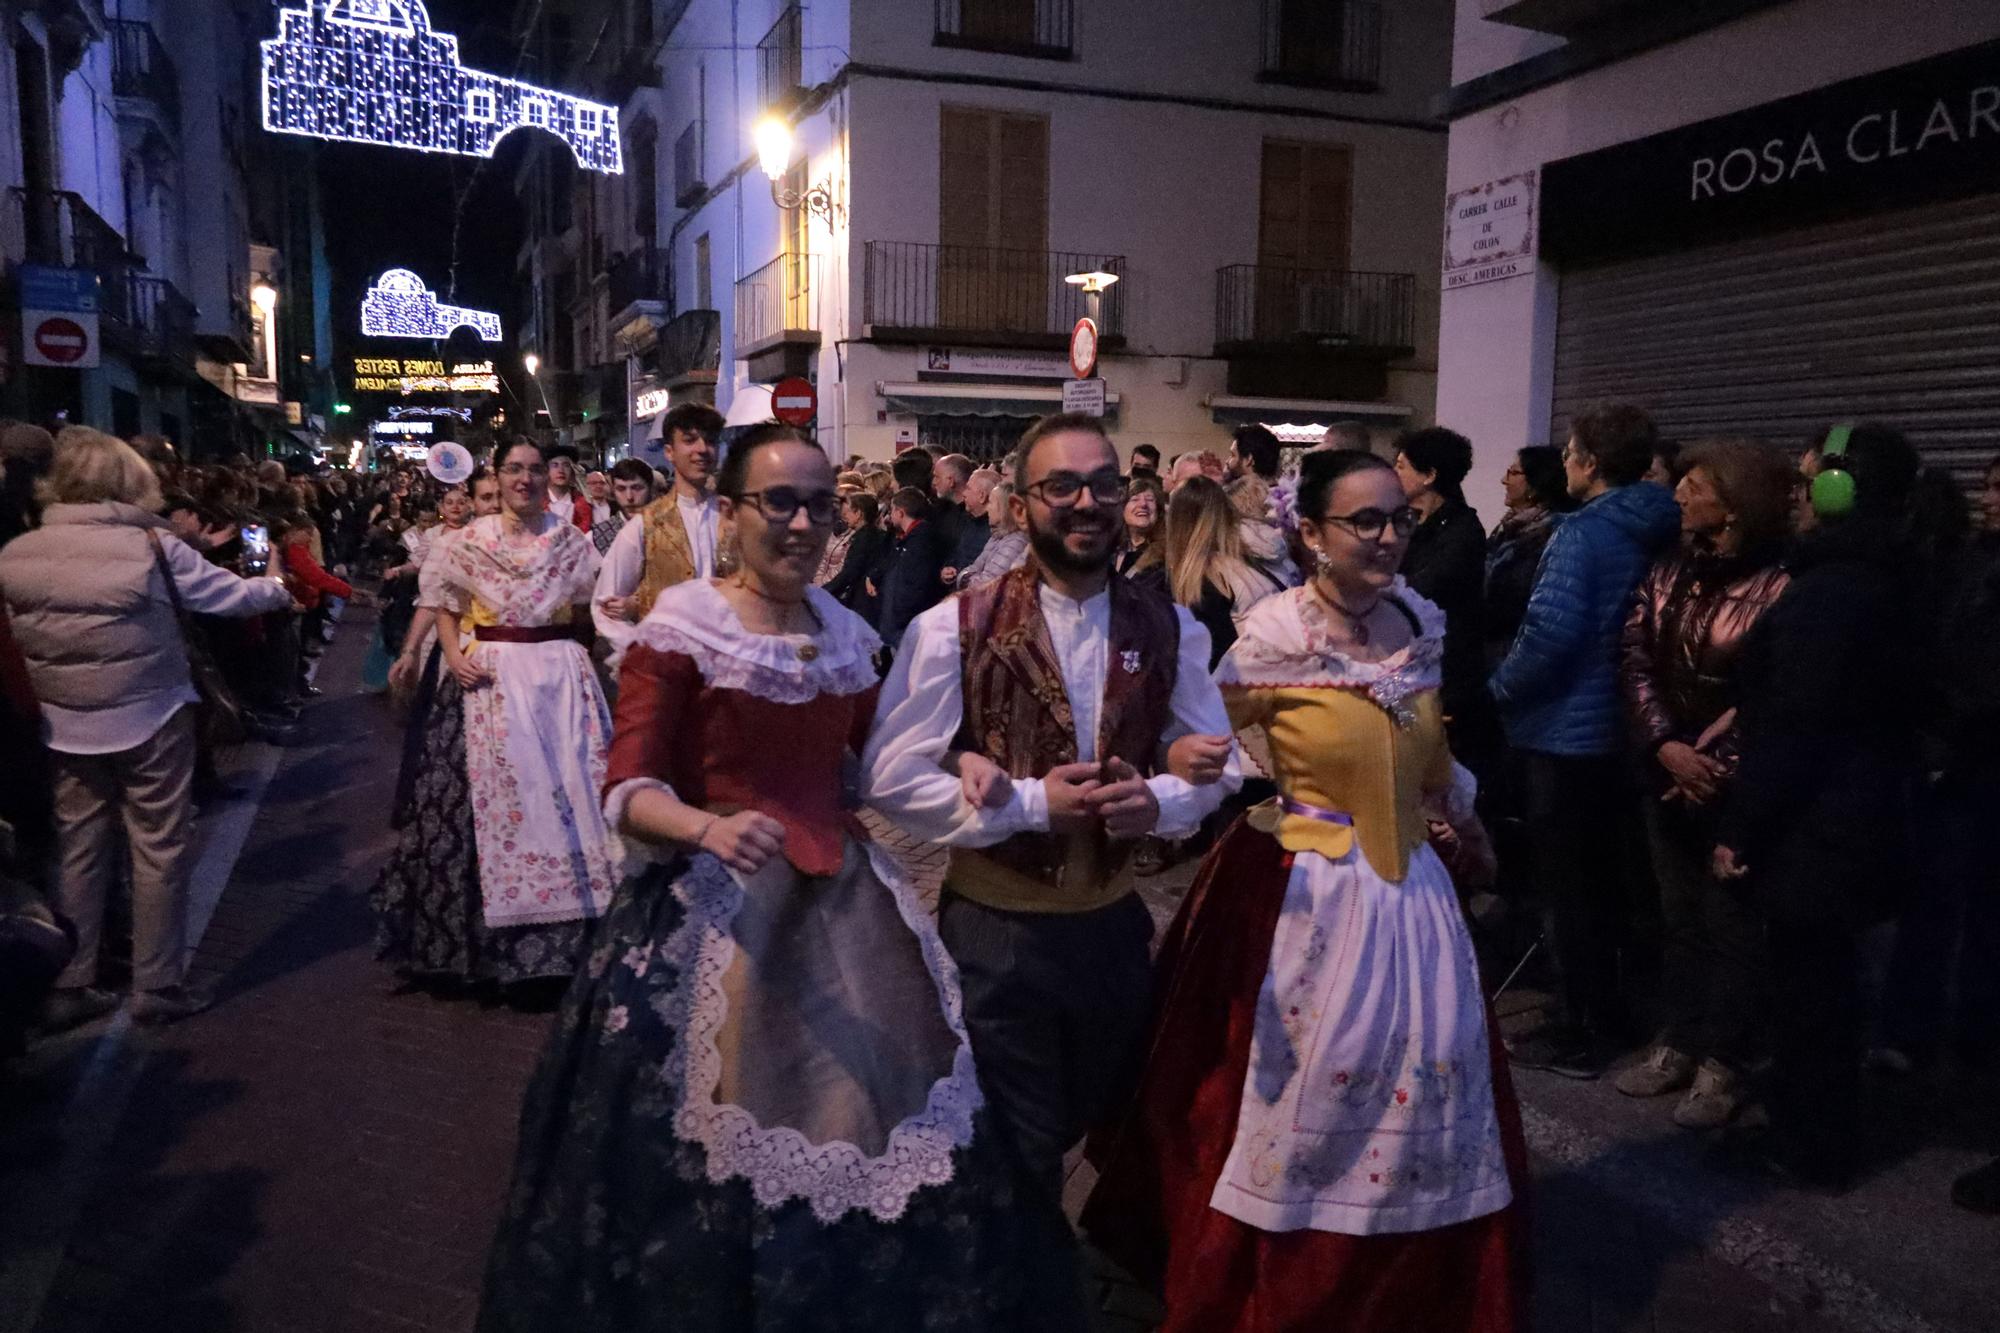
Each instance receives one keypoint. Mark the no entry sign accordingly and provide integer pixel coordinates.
(795, 402)
(58, 317)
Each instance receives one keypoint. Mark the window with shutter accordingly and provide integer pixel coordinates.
(993, 220)
(1304, 226)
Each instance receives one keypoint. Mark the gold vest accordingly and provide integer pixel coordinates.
(669, 556)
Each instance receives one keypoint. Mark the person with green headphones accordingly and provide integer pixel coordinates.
(1816, 829)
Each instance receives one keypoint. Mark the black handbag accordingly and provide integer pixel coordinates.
(219, 721)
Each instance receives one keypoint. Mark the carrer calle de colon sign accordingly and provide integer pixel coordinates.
(1872, 137)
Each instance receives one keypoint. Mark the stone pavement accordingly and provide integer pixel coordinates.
(324, 1154)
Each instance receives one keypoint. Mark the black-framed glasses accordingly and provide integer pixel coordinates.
(1367, 524)
(1061, 490)
(780, 504)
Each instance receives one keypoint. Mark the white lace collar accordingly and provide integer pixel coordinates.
(695, 619)
(1286, 642)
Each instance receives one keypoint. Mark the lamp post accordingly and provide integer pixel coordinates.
(1094, 283)
(773, 137)
(533, 365)
(265, 297)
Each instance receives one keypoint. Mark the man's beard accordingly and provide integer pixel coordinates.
(1049, 548)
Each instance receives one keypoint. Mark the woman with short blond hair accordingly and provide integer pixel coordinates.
(91, 595)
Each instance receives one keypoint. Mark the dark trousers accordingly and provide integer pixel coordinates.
(1056, 1005)
(1950, 931)
(1713, 945)
(1577, 808)
(1815, 1040)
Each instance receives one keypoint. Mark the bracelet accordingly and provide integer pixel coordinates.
(713, 819)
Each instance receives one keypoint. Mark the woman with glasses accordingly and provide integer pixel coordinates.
(516, 588)
(1324, 1137)
(759, 1110)
(1202, 565)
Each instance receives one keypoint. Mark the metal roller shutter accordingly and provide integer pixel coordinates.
(1893, 318)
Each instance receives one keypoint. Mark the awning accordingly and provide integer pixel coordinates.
(1308, 413)
(976, 400)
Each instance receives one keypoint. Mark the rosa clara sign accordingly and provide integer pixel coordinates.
(373, 71)
(1489, 232)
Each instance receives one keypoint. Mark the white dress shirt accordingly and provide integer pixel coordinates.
(624, 565)
(922, 706)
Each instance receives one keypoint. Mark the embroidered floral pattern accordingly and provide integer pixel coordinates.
(1259, 662)
(696, 620)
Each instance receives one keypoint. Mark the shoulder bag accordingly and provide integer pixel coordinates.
(219, 720)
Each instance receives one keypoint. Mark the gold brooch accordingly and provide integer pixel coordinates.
(808, 651)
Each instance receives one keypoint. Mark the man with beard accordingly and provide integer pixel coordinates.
(674, 538)
(1074, 684)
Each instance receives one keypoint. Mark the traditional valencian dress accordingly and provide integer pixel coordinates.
(503, 857)
(759, 1110)
(1325, 1136)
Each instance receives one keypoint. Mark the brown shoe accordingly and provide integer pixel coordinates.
(1664, 1070)
(169, 1005)
(1714, 1100)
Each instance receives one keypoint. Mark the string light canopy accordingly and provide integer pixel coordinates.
(373, 71)
(400, 306)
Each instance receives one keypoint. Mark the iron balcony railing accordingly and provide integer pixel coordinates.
(983, 290)
(691, 341)
(1263, 304)
(141, 68)
(1043, 28)
(638, 275)
(781, 60)
(159, 318)
(1324, 43)
(779, 298)
(688, 183)
(57, 227)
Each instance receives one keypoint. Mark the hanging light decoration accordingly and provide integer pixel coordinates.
(400, 306)
(372, 71)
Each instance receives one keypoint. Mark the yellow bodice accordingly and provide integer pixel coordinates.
(1337, 749)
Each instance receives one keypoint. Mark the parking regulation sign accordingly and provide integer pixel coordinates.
(58, 317)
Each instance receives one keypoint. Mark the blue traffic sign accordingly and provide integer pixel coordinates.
(71, 290)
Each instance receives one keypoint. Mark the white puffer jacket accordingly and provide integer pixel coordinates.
(91, 614)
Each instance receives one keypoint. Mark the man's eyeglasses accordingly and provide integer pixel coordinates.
(780, 504)
(1367, 524)
(520, 469)
(1061, 490)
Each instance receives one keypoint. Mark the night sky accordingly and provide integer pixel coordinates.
(394, 208)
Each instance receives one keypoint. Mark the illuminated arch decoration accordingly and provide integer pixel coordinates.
(400, 306)
(372, 71)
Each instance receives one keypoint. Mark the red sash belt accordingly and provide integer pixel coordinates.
(530, 633)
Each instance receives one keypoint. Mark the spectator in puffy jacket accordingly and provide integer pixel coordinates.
(93, 615)
(1683, 642)
(1557, 692)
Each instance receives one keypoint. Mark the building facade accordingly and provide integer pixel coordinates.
(1761, 218)
(1263, 178)
(133, 159)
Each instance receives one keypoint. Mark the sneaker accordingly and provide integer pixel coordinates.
(1664, 1070)
(73, 1006)
(169, 1005)
(1714, 1100)
(1570, 1054)
(1978, 1190)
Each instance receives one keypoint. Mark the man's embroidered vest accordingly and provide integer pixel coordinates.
(669, 558)
(1017, 713)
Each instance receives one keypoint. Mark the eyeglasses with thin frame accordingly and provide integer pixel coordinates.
(780, 504)
(1368, 524)
(1062, 490)
(518, 469)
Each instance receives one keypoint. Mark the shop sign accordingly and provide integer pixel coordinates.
(997, 365)
(1489, 232)
(1919, 133)
(650, 403)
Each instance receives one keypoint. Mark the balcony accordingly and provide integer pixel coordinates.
(689, 185)
(57, 227)
(142, 71)
(781, 62)
(920, 293)
(777, 317)
(1284, 330)
(1333, 44)
(638, 277)
(149, 317)
(1040, 29)
(690, 348)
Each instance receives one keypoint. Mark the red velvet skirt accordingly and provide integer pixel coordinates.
(1160, 1159)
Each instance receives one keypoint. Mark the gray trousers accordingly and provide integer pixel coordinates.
(149, 789)
(1056, 1005)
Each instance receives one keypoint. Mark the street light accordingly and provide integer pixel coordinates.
(534, 365)
(1094, 283)
(265, 297)
(773, 137)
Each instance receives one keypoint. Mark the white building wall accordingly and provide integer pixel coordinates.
(1497, 341)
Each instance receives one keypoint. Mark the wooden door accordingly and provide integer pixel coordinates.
(993, 221)
(1304, 230)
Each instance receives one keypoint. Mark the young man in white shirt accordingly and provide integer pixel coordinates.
(672, 540)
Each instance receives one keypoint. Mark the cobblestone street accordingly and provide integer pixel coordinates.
(323, 1153)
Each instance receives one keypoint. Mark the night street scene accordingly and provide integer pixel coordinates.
(999, 666)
